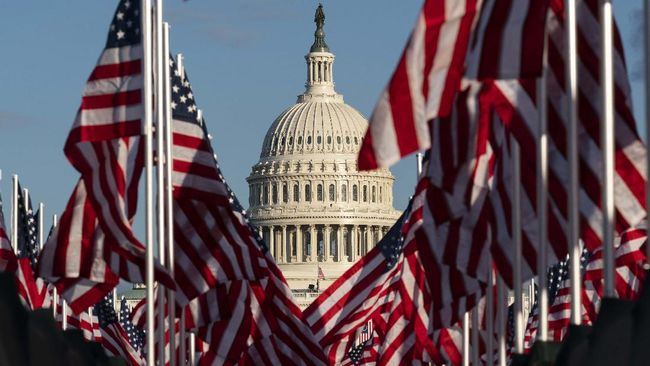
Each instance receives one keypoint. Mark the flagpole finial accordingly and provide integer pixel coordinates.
(319, 36)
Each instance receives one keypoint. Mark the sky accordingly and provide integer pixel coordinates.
(245, 59)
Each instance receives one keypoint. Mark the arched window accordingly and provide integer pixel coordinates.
(307, 192)
(344, 193)
(299, 140)
(296, 192)
(265, 194)
(274, 191)
(329, 139)
(332, 192)
(365, 193)
(285, 192)
(338, 140)
(380, 193)
(308, 140)
(319, 192)
(374, 194)
(355, 193)
(319, 140)
(258, 194)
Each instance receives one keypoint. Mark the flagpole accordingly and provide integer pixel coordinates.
(14, 213)
(542, 187)
(501, 317)
(41, 210)
(159, 102)
(418, 162)
(489, 307)
(607, 141)
(192, 349)
(199, 115)
(167, 184)
(466, 339)
(572, 151)
(55, 301)
(145, 10)
(516, 238)
(474, 335)
(646, 24)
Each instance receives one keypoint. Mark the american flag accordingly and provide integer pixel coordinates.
(84, 321)
(32, 290)
(135, 334)
(476, 185)
(364, 339)
(364, 292)
(7, 257)
(559, 300)
(94, 243)
(423, 84)
(213, 242)
(114, 338)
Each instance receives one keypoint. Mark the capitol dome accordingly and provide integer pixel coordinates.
(314, 209)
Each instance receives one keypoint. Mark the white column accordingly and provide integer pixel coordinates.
(327, 231)
(284, 245)
(339, 243)
(354, 241)
(272, 245)
(313, 245)
(299, 244)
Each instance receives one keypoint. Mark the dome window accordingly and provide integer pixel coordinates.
(307, 193)
(299, 140)
(290, 140)
(285, 193)
(329, 139)
(284, 140)
(319, 192)
(275, 193)
(374, 194)
(344, 193)
(355, 193)
(356, 141)
(296, 193)
(347, 140)
(308, 140)
(365, 193)
(338, 140)
(319, 140)
(265, 195)
(332, 193)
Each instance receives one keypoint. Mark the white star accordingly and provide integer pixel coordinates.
(190, 95)
(175, 88)
(173, 105)
(119, 15)
(112, 27)
(127, 4)
(120, 34)
(183, 99)
(129, 23)
(186, 83)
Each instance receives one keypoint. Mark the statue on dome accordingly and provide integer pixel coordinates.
(319, 18)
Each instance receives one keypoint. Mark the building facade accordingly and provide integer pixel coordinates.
(312, 206)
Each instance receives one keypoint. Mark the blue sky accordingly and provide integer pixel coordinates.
(245, 60)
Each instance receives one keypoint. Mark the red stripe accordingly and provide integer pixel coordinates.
(125, 98)
(401, 106)
(122, 69)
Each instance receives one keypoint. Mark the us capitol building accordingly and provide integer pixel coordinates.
(312, 206)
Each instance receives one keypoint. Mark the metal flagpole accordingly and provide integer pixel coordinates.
(542, 187)
(41, 211)
(167, 186)
(466, 339)
(489, 307)
(418, 161)
(607, 142)
(55, 300)
(646, 24)
(145, 10)
(474, 335)
(159, 102)
(14, 212)
(516, 239)
(192, 349)
(501, 318)
(572, 151)
(199, 114)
